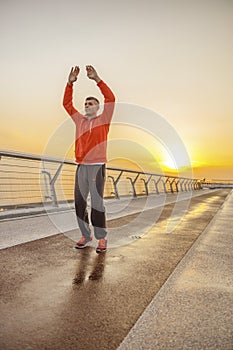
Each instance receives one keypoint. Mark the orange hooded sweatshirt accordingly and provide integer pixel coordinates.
(91, 135)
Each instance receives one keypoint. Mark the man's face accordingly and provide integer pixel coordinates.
(91, 107)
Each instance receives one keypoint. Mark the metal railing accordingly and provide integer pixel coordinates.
(213, 184)
(30, 181)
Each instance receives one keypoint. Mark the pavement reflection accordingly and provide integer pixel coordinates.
(83, 273)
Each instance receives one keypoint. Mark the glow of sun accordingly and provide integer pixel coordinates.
(169, 164)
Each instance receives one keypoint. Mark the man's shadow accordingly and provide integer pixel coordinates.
(98, 267)
(83, 267)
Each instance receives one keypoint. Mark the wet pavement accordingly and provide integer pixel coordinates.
(33, 227)
(194, 308)
(56, 297)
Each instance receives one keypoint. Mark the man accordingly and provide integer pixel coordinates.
(90, 153)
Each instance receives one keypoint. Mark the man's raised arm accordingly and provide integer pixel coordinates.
(109, 98)
(68, 94)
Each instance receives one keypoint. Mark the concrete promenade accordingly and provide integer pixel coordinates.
(25, 225)
(194, 308)
(151, 290)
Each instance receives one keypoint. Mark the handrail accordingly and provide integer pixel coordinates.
(34, 157)
(68, 161)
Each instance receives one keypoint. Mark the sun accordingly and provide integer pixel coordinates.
(169, 164)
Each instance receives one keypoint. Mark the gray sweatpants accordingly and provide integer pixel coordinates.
(90, 178)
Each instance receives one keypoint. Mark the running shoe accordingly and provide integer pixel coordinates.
(82, 243)
(102, 246)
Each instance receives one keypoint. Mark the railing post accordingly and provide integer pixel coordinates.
(190, 185)
(156, 184)
(53, 195)
(146, 184)
(164, 185)
(199, 186)
(176, 184)
(47, 185)
(194, 184)
(185, 184)
(115, 182)
(171, 183)
(52, 183)
(181, 184)
(133, 181)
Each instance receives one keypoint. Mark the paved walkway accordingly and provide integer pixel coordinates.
(54, 297)
(194, 308)
(22, 229)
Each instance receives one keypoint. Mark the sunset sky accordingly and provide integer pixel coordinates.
(173, 58)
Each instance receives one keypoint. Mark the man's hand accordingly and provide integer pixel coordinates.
(73, 75)
(92, 74)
